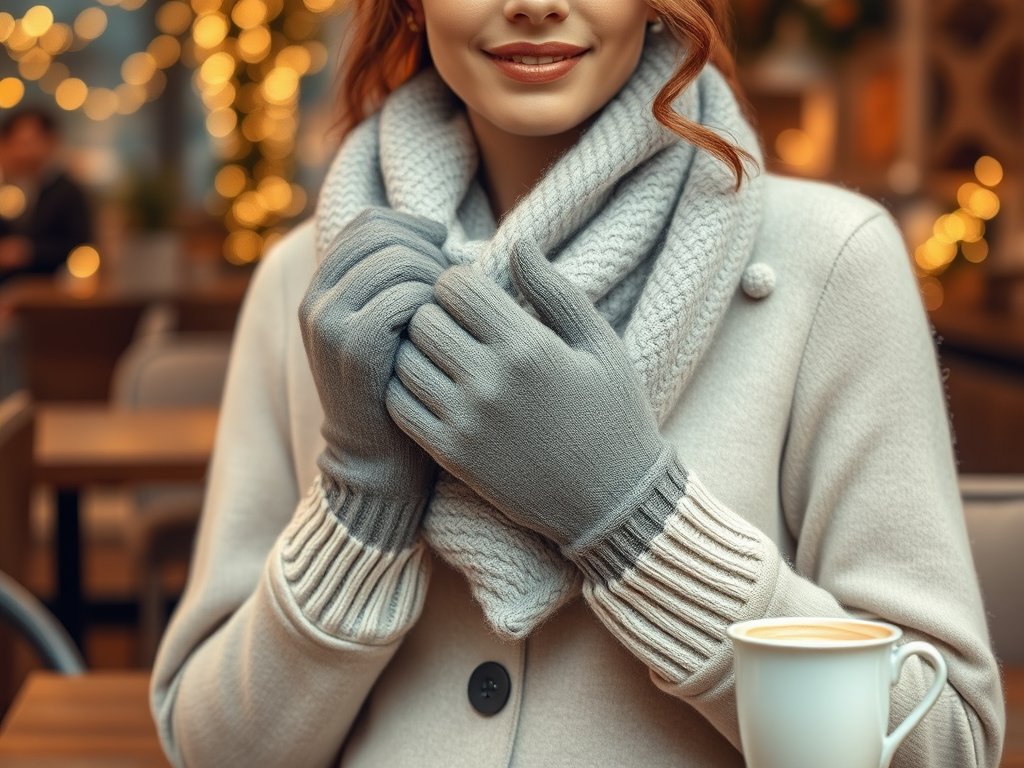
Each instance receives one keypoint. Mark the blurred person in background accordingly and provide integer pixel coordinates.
(55, 217)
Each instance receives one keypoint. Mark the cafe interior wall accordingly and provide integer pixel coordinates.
(900, 100)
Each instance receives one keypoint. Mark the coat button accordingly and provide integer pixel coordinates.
(489, 687)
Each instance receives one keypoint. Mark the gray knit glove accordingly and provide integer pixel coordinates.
(546, 419)
(379, 271)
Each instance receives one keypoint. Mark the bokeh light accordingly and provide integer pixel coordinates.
(90, 23)
(37, 20)
(71, 94)
(84, 261)
(12, 201)
(11, 92)
(989, 171)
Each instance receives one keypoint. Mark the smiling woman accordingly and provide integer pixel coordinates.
(555, 389)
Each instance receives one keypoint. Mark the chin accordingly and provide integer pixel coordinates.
(538, 120)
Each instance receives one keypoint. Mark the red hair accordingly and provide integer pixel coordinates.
(382, 52)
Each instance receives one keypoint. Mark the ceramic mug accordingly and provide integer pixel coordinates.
(814, 693)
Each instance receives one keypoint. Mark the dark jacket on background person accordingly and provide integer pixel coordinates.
(56, 222)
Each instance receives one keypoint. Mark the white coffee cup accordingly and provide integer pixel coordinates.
(814, 693)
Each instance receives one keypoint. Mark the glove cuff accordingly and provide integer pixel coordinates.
(607, 555)
(389, 524)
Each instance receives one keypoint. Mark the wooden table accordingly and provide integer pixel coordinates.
(79, 445)
(72, 341)
(102, 719)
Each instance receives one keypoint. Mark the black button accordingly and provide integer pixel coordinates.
(489, 687)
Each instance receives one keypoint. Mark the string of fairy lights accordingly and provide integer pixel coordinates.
(961, 232)
(248, 59)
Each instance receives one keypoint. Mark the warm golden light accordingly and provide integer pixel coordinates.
(932, 293)
(254, 44)
(949, 229)
(129, 98)
(156, 85)
(297, 204)
(219, 96)
(90, 23)
(11, 91)
(230, 181)
(210, 29)
(319, 6)
(71, 94)
(934, 254)
(275, 192)
(131, 5)
(249, 209)
(19, 39)
(55, 75)
(977, 251)
(795, 147)
(57, 39)
(6, 26)
(138, 69)
(243, 246)
(983, 203)
(205, 6)
(217, 69)
(165, 50)
(989, 171)
(173, 18)
(974, 228)
(83, 261)
(318, 56)
(33, 65)
(281, 85)
(221, 122)
(294, 57)
(963, 195)
(37, 20)
(100, 104)
(12, 201)
(249, 13)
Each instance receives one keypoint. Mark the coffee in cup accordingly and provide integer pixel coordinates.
(814, 692)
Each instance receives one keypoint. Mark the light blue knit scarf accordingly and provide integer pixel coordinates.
(651, 229)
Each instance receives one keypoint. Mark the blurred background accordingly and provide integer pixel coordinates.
(152, 150)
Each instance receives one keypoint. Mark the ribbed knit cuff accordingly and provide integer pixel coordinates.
(388, 524)
(342, 584)
(670, 597)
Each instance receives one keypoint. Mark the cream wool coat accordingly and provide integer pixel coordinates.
(818, 416)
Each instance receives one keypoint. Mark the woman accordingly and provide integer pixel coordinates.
(718, 402)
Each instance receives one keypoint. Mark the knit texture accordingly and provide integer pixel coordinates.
(349, 588)
(651, 230)
(671, 603)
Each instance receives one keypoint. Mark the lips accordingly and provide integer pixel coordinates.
(535, 62)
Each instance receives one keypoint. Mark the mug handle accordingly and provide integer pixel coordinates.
(899, 658)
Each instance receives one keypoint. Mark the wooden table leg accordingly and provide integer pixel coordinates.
(68, 603)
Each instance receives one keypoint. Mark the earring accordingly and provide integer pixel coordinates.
(411, 21)
(657, 26)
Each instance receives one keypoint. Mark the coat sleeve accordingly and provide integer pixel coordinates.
(869, 491)
(287, 620)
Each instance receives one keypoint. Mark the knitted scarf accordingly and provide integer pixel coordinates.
(652, 230)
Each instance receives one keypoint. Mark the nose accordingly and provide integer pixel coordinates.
(536, 11)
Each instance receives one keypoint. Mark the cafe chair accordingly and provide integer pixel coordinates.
(160, 370)
(30, 618)
(994, 510)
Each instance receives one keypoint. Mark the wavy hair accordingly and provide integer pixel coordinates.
(382, 52)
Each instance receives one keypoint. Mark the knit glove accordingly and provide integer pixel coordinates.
(546, 419)
(379, 271)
